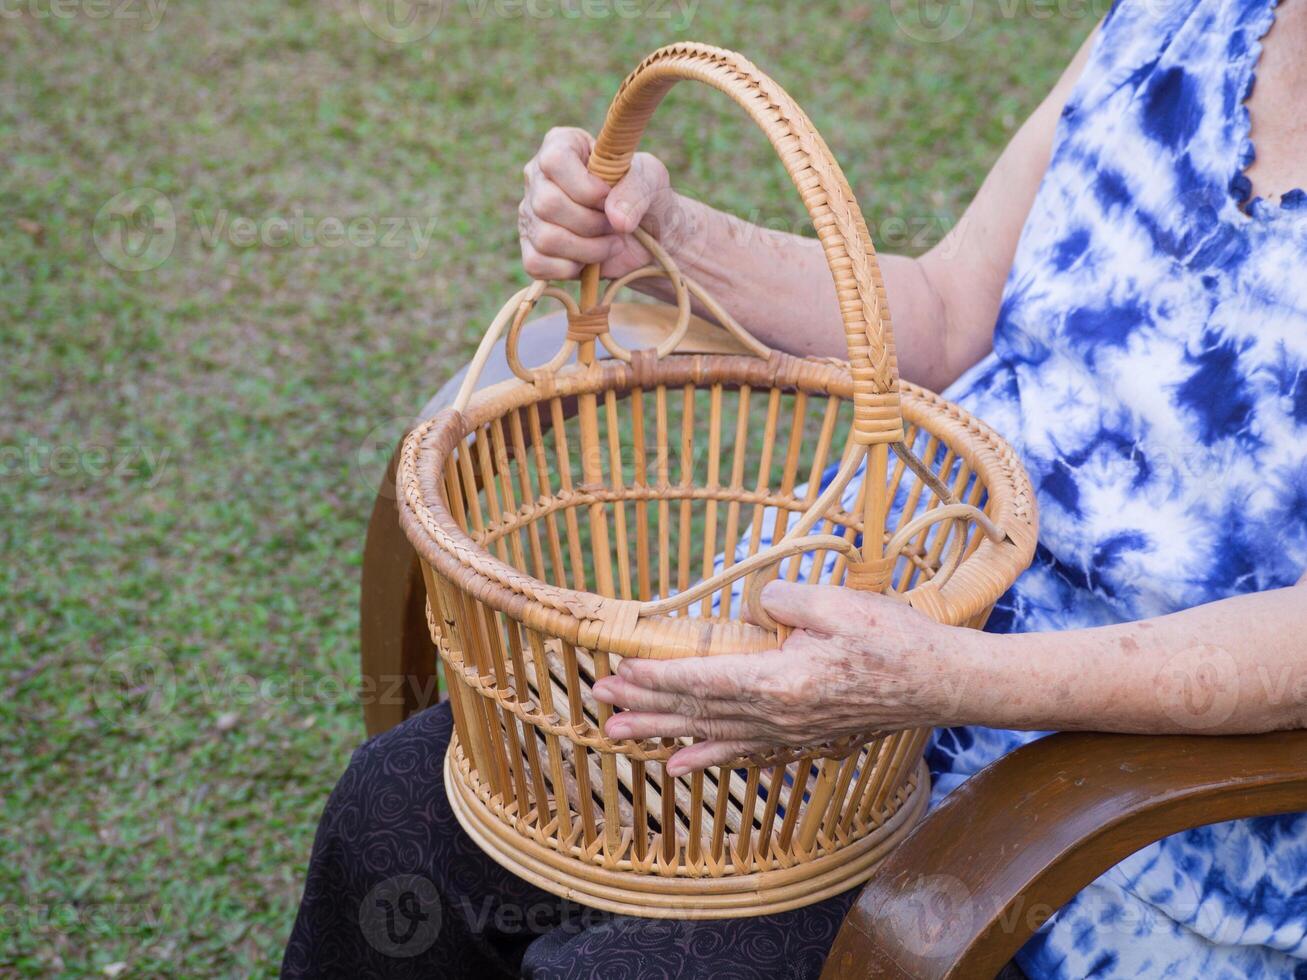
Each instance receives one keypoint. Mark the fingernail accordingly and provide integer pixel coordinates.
(616, 727)
(677, 768)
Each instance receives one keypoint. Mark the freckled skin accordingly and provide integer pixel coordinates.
(857, 662)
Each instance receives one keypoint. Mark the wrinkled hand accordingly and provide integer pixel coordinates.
(854, 662)
(569, 217)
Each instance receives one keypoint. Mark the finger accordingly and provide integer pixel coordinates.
(550, 203)
(619, 691)
(727, 676)
(562, 158)
(653, 724)
(559, 243)
(644, 187)
(701, 755)
(819, 608)
(539, 266)
(623, 694)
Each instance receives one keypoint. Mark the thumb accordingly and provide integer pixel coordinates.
(643, 190)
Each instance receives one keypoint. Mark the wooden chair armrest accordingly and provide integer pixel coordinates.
(398, 657)
(1017, 841)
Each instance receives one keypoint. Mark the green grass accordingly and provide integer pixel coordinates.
(182, 499)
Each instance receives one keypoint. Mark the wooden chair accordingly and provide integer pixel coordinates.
(983, 871)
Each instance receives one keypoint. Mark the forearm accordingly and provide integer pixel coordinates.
(1234, 666)
(944, 304)
(779, 287)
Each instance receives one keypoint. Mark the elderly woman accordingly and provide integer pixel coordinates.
(1126, 302)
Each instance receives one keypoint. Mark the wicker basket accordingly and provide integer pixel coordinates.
(594, 509)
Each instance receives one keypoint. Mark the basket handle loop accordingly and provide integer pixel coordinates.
(826, 195)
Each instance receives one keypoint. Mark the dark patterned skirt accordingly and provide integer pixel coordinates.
(395, 888)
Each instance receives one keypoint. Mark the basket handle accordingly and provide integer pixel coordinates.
(877, 416)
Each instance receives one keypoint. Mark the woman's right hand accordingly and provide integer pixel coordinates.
(569, 218)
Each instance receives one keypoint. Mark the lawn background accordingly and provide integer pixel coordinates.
(188, 453)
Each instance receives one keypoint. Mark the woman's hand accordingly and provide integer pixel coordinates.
(569, 217)
(854, 662)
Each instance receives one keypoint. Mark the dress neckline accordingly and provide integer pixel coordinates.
(1247, 205)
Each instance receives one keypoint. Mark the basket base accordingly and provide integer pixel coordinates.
(679, 897)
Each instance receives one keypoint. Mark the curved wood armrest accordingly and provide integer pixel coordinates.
(398, 657)
(1017, 841)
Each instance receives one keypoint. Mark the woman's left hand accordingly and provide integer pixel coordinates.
(855, 662)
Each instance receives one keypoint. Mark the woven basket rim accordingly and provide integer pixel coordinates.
(592, 621)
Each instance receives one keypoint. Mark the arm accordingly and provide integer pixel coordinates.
(858, 661)
(1232, 667)
(944, 303)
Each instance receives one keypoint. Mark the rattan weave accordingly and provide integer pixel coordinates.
(574, 516)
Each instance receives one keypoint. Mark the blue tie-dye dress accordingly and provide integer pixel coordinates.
(1150, 366)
